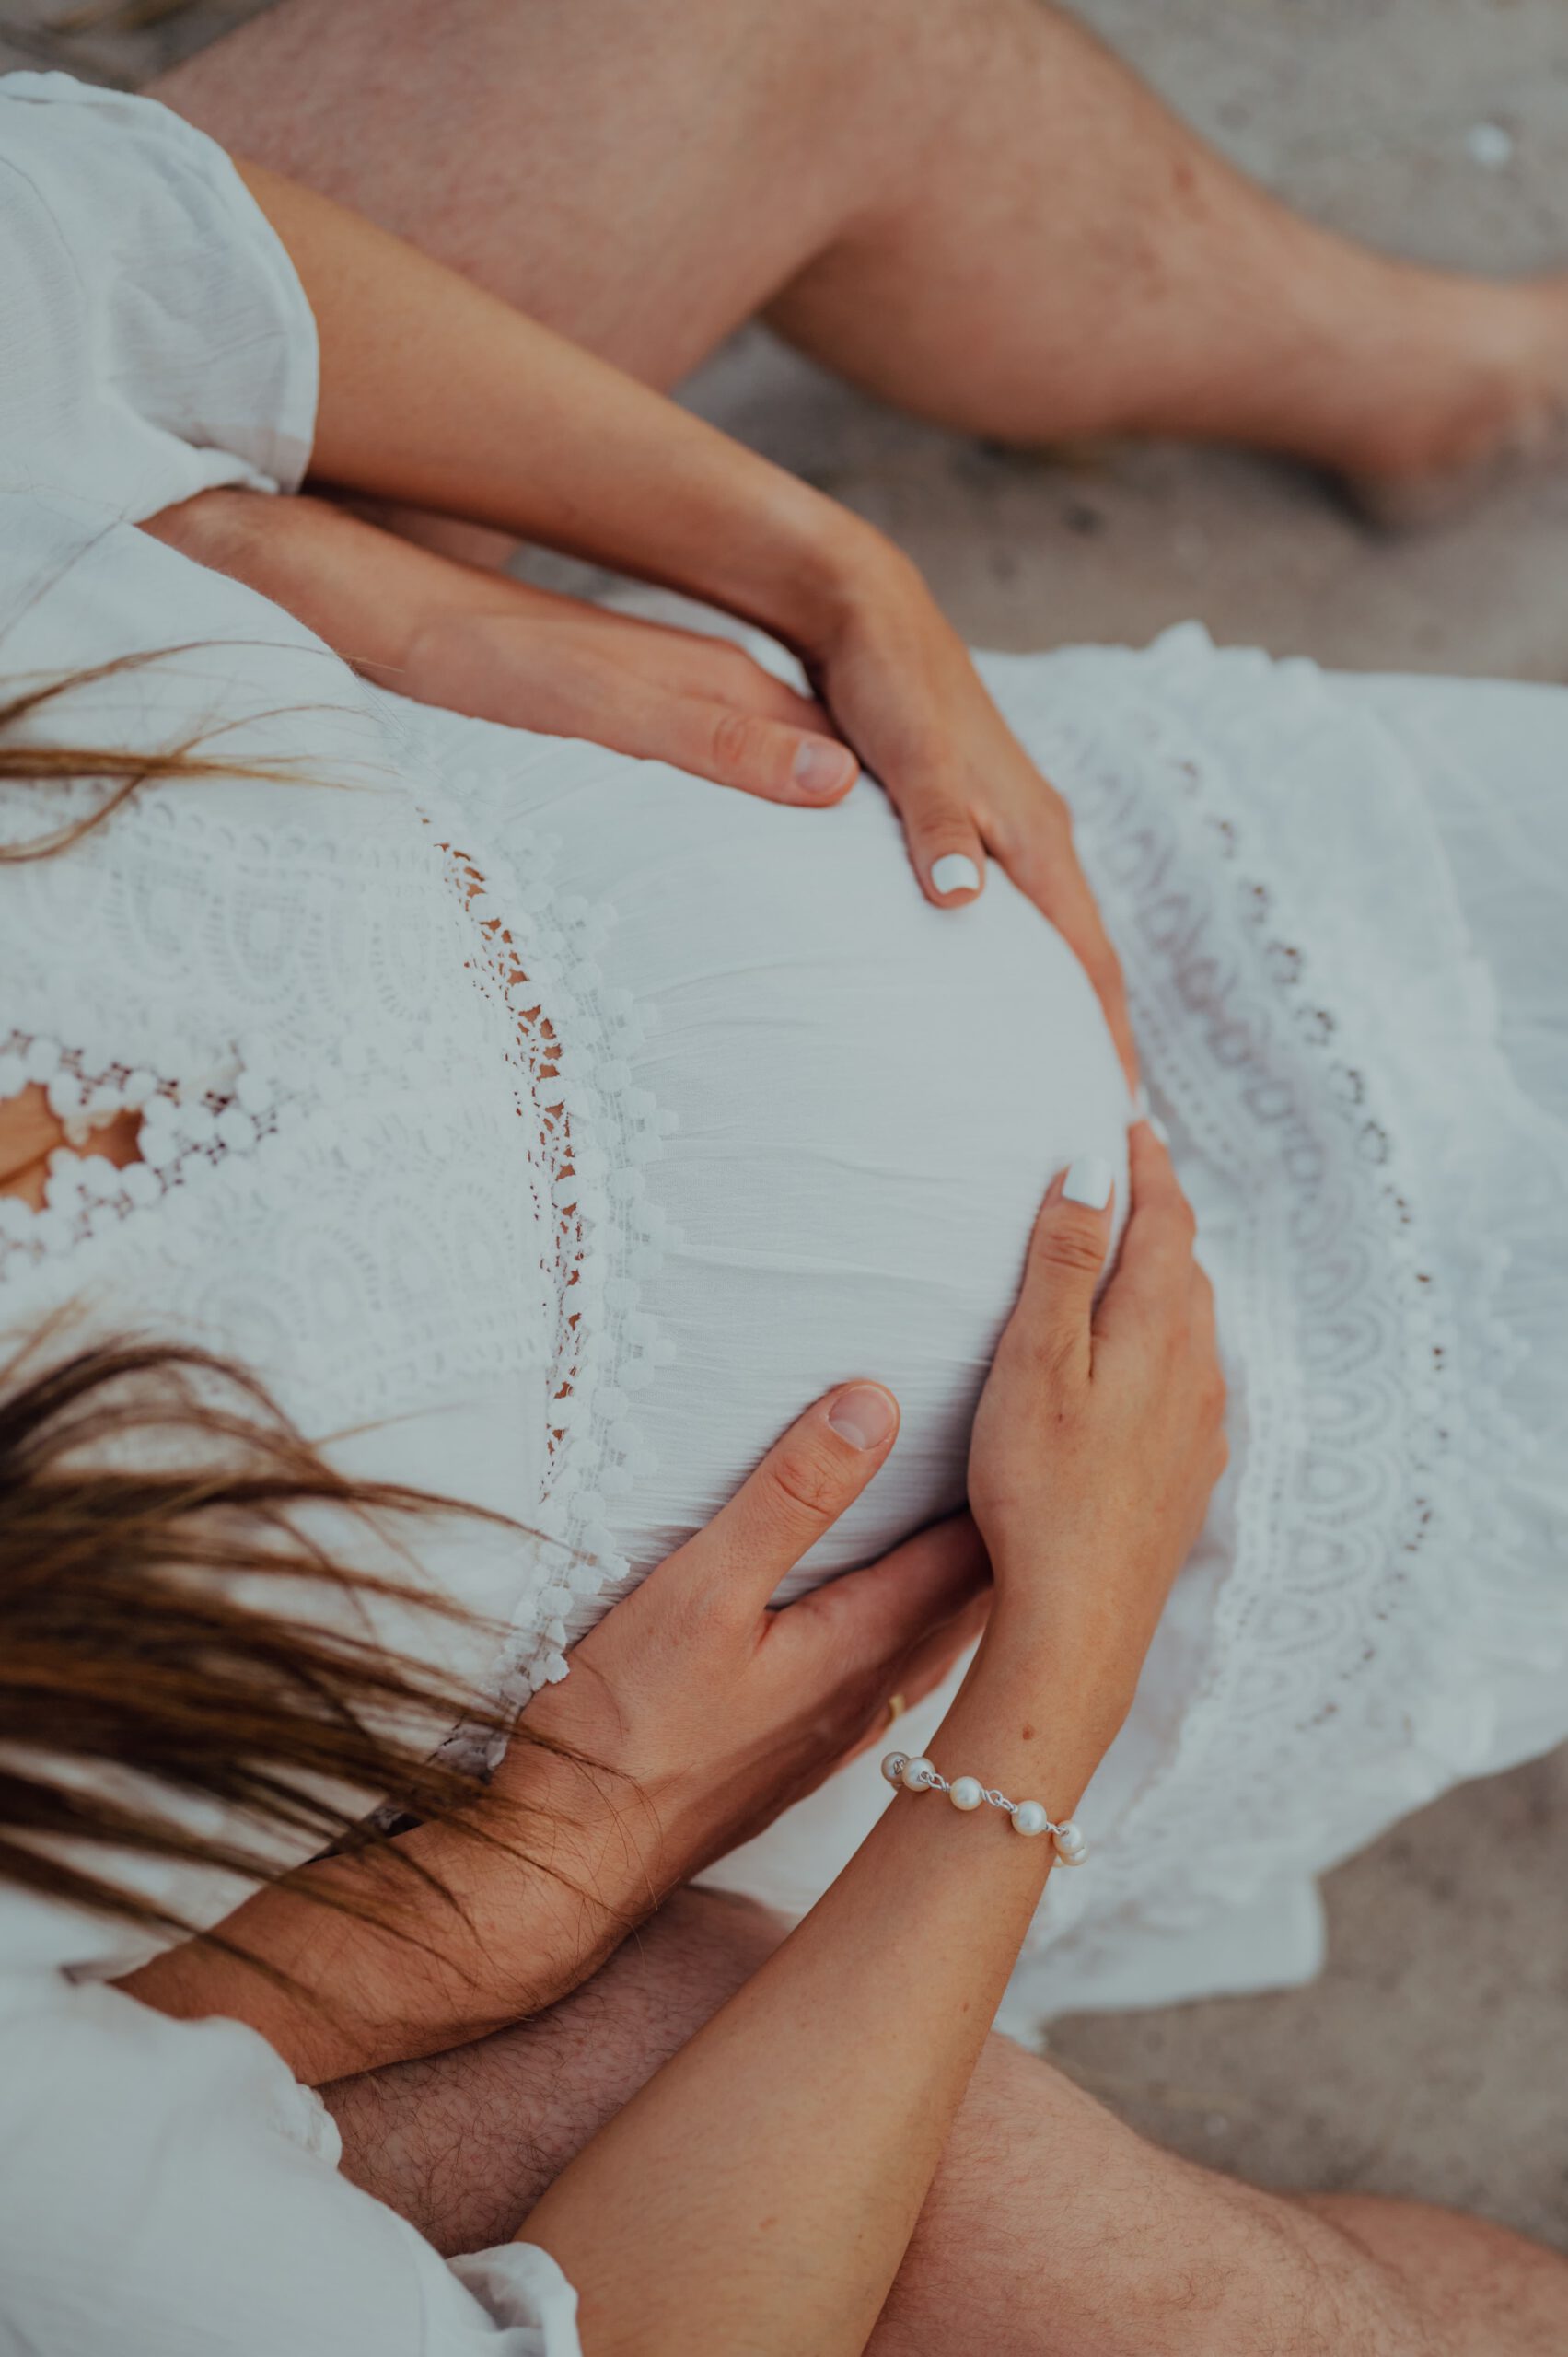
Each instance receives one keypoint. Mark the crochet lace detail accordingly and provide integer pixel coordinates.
(1339, 1621)
(189, 1123)
(281, 992)
(573, 1042)
(337, 1011)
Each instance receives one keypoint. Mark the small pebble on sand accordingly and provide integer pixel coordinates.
(1490, 146)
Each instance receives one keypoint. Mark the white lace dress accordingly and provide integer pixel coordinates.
(592, 1177)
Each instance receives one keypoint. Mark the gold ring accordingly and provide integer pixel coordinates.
(896, 1706)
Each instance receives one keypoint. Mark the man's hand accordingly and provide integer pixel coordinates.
(711, 1712)
(693, 1717)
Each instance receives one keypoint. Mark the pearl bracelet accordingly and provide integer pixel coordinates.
(968, 1791)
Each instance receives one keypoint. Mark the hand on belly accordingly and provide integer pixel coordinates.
(872, 1095)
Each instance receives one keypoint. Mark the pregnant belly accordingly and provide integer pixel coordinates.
(871, 1095)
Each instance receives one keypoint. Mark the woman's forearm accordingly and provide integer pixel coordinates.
(761, 2191)
(440, 395)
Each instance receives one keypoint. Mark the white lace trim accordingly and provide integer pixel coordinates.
(1378, 1448)
(574, 1041)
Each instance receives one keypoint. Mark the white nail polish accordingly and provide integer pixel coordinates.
(1160, 1130)
(1139, 1111)
(1089, 1182)
(955, 873)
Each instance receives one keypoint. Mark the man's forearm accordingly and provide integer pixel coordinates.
(439, 395)
(442, 1938)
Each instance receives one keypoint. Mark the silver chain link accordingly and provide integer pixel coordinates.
(937, 1783)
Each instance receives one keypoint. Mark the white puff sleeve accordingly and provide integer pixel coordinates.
(154, 337)
(167, 2190)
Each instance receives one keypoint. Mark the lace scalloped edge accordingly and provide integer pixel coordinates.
(1473, 1446)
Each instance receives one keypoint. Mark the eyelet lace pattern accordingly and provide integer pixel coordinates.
(284, 998)
(1367, 1582)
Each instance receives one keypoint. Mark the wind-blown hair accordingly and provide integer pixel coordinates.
(119, 770)
(160, 1521)
(153, 1505)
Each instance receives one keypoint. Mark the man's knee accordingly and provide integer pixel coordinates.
(1058, 2232)
(463, 2143)
(695, 1953)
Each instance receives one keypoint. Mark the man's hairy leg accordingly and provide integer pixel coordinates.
(1052, 2230)
(971, 207)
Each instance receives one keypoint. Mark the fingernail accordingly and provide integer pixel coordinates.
(863, 1415)
(1139, 1111)
(819, 768)
(954, 872)
(1160, 1130)
(1088, 1181)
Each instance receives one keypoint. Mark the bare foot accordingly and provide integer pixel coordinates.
(1512, 420)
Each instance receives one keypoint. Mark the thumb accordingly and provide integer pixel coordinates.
(809, 1476)
(1071, 1236)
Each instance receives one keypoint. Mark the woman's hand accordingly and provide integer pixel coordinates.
(713, 1714)
(761, 2190)
(705, 1715)
(902, 689)
(1099, 1434)
(485, 415)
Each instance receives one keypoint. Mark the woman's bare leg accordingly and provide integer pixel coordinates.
(969, 206)
(1051, 2231)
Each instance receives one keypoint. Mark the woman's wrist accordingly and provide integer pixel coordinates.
(799, 564)
(1042, 1680)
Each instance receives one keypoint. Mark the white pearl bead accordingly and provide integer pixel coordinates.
(1029, 1817)
(894, 1765)
(916, 1774)
(1071, 1846)
(966, 1792)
